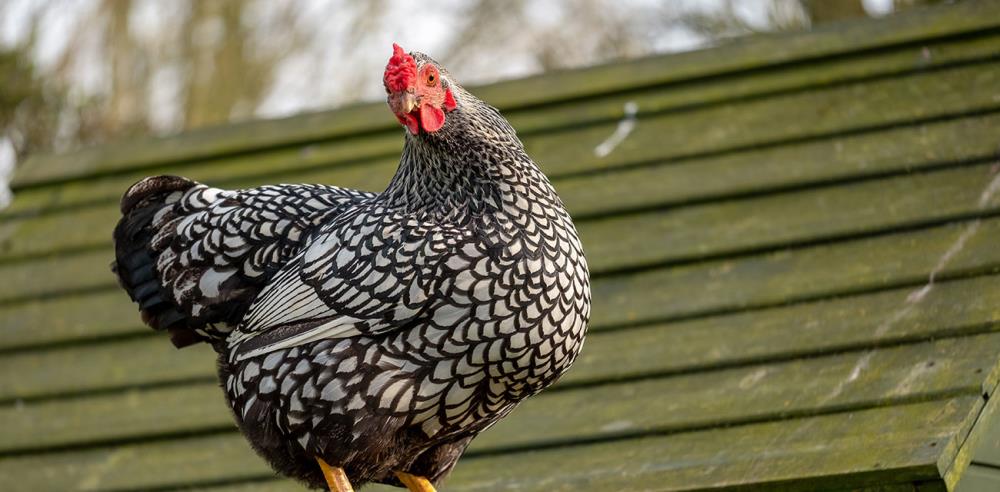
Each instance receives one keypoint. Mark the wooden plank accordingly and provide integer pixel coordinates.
(850, 450)
(288, 164)
(902, 442)
(274, 485)
(766, 279)
(279, 485)
(368, 147)
(387, 143)
(907, 148)
(745, 54)
(126, 363)
(643, 146)
(784, 276)
(174, 462)
(748, 54)
(615, 243)
(133, 415)
(728, 227)
(852, 156)
(844, 323)
(960, 87)
(955, 463)
(826, 326)
(665, 294)
(925, 144)
(768, 120)
(58, 275)
(68, 319)
(351, 158)
(673, 404)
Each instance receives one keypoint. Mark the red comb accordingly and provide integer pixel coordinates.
(401, 71)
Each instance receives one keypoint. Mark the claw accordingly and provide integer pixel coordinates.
(415, 483)
(335, 477)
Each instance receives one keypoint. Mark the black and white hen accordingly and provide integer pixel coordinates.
(371, 336)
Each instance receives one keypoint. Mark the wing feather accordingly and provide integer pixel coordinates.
(193, 256)
(341, 285)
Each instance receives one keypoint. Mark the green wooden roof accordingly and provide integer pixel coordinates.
(796, 259)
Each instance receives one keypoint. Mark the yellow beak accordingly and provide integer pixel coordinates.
(409, 102)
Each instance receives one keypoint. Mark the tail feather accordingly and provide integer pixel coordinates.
(194, 257)
(135, 264)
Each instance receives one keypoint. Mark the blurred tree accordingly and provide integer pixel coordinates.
(822, 11)
(611, 32)
(227, 75)
(218, 66)
(730, 18)
(21, 97)
(32, 112)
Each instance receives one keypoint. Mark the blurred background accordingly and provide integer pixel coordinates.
(80, 72)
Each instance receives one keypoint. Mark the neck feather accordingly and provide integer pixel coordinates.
(474, 166)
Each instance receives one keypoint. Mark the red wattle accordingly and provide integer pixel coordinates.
(431, 118)
(449, 101)
(410, 122)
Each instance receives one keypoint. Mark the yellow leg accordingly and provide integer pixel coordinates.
(336, 479)
(415, 483)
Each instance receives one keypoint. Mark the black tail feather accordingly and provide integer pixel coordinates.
(179, 256)
(135, 264)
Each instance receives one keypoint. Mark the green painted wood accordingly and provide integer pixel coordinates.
(904, 442)
(298, 158)
(773, 51)
(908, 148)
(774, 118)
(295, 159)
(278, 485)
(850, 450)
(752, 171)
(127, 363)
(721, 228)
(730, 89)
(275, 485)
(760, 280)
(783, 276)
(762, 51)
(959, 454)
(35, 278)
(703, 361)
(977, 436)
(677, 234)
(175, 462)
(133, 415)
(674, 404)
(21, 323)
(845, 323)
(68, 319)
(830, 325)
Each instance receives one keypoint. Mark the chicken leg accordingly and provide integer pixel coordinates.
(415, 483)
(335, 477)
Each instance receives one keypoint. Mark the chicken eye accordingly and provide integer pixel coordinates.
(431, 77)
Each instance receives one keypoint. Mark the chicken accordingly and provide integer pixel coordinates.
(369, 337)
